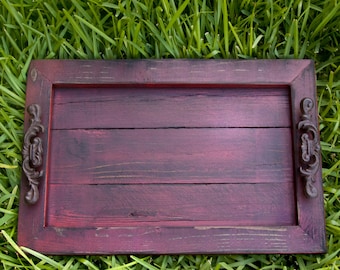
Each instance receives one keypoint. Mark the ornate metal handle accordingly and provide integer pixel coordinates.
(310, 148)
(32, 154)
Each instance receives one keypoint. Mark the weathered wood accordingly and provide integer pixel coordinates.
(204, 155)
(174, 156)
(171, 205)
(161, 107)
(171, 240)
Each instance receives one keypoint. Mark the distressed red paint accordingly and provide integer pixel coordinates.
(172, 156)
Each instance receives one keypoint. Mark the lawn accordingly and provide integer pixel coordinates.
(134, 29)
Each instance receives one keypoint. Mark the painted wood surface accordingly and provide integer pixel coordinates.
(171, 205)
(204, 155)
(171, 157)
(171, 106)
(174, 240)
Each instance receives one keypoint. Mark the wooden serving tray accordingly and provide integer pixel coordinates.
(171, 156)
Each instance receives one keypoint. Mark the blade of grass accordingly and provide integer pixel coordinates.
(43, 258)
(96, 30)
(18, 249)
(177, 14)
(87, 263)
(225, 27)
(6, 166)
(325, 20)
(79, 31)
(296, 38)
(239, 43)
(144, 263)
(155, 31)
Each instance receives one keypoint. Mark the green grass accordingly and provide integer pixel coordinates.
(98, 29)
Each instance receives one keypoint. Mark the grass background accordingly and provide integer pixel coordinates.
(99, 29)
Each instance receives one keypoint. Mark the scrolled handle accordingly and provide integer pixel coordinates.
(32, 153)
(310, 148)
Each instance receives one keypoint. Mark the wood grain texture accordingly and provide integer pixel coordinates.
(171, 106)
(204, 155)
(179, 71)
(174, 240)
(175, 205)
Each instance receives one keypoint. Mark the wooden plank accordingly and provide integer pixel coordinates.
(174, 71)
(204, 155)
(171, 205)
(172, 106)
(169, 240)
